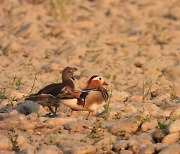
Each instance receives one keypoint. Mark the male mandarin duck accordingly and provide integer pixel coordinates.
(89, 99)
(47, 95)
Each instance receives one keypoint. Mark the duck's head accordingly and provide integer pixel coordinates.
(68, 73)
(96, 82)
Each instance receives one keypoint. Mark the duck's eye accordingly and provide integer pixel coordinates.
(100, 78)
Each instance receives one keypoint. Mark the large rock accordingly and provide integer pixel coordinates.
(174, 127)
(5, 143)
(175, 114)
(120, 145)
(60, 121)
(27, 149)
(127, 125)
(150, 149)
(142, 140)
(83, 149)
(21, 140)
(29, 107)
(159, 134)
(49, 149)
(171, 149)
(106, 142)
(73, 126)
(148, 125)
(171, 138)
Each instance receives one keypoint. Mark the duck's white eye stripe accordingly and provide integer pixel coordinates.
(98, 78)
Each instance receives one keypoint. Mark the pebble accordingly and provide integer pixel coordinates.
(126, 152)
(142, 140)
(73, 127)
(120, 96)
(120, 145)
(5, 143)
(148, 125)
(83, 150)
(171, 138)
(171, 149)
(150, 149)
(159, 134)
(28, 148)
(174, 127)
(127, 125)
(160, 146)
(60, 121)
(175, 114)
(49, 149)
(21, 140)
(105, 141)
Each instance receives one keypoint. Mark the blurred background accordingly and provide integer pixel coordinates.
(131, 43)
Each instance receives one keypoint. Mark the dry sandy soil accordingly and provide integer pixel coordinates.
(133, 44)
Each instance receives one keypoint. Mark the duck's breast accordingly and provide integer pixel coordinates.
(94, 100)
(72, 103)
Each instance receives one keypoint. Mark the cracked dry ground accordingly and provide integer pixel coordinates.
(133, 44)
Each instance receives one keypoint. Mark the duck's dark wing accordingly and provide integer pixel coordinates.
(53, 89)
(43, 99)
(56, 88)
(65, 96)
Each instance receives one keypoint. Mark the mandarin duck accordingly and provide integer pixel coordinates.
(88, 99)
(47, 95)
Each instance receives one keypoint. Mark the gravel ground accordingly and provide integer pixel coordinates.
(134, 45)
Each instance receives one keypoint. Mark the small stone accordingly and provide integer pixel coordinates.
(7, 152)
(32, 116)
(141, 140)
(158, 135)
(8, 124)
(49, 149)
(5, 143)
(26, 125)
(55, 67)
(173, 148)
(16, 94)
(20, 140)
(174, 127)
(83, 149)
(160, 146)
(60, 121)
(13, 113)
(27, 148)
(174, 71)
(120, 96)
(56, 31)
(150, 149)
(175, 114)
(120, 145)
(136, 98)
(126, 152)
(171, 138)
(134, 145)
(127, 125)
(148, 125)
(80, 51)
(106, 140)
(101, 57)
(73, 127)
(129, 109)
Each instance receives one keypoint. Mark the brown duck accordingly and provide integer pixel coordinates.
(47, 95)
